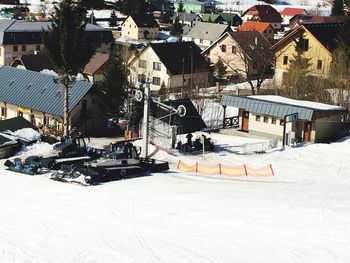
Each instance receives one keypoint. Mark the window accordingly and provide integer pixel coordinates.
(37, 47)
(273, 121)
(234, 49)
(223, 48)
(319, 64)
(266, 119)
(142, 63)
(141, 78)
(156, 65)
(285, 60)
(201, 41)
(156, 81)
(3, 112)
(281, 122)
(257, 118)
(15, 48)
(305, 44)
(24, 48)
(20, 114)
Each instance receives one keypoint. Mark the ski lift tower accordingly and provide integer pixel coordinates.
(145, 95)
(145, 126)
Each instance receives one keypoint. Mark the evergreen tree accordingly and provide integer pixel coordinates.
(220, 68)
(337, 9)
(176, 28)
(113, 20)
(113, 86)
(130, 7)
(180, 8)
(68, 47)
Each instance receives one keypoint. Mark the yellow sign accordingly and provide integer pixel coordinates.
(24, 109)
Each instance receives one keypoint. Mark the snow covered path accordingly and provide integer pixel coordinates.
(300, 215)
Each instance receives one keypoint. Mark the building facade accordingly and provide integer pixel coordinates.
(21, 37)
(169, 65)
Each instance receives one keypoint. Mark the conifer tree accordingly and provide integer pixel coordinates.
(176, 28)
(338, 8)
(220, 68)
(113, 86)
(113, 20)
(130, 7)
(180, 8)
(68, 47)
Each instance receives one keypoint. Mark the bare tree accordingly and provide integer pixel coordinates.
(340, 75)
(253, 61)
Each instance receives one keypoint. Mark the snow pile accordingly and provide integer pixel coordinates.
(26, 134)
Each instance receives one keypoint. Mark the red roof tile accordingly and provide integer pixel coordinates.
(253, 25)
(290, 11)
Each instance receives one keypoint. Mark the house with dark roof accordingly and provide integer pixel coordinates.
(97, 66)
(204, 34)
(169, 66)
(189, 19)
(21, 37)
(39, 98)
(231, 19)
(320, 40)
(298, 20)
(270, 116)
(240, 51)
(288, 12)
(264, 13)
(213, 18)
(34, 62)
(38, 62)
(140, 27)
(266, 29)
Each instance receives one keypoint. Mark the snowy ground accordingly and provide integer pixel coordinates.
(300, 215)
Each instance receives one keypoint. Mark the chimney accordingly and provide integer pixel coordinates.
(256, 41)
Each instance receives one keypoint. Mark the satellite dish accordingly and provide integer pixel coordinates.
(138, 95)
(181, 110)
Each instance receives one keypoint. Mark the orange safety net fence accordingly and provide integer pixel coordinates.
(223, 169)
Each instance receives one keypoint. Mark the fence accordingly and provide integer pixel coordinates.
(259, 147)
(223, 169)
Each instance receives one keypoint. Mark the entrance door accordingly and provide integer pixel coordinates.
(307, 131)
(245, 121)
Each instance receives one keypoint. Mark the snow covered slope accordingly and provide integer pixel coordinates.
(300, 215)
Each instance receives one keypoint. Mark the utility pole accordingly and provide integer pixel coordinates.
(183, 76)
(144, 149)
(191, 68)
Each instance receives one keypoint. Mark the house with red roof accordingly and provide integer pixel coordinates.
(266, 29)
(288, 12)
(263, 13)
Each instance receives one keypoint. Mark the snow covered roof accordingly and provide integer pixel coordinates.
(279, 107)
